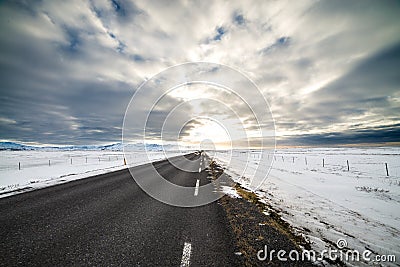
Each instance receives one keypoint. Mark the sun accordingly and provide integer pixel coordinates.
(204, 129)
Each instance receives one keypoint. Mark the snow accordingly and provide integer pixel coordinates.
(230, 191)
(325, 203)
(11, 146)
(64, 166)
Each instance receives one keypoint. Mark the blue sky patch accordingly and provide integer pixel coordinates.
(220, 32)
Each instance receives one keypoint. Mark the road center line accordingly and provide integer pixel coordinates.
(187, 249)
(201, 164)
(196, 190)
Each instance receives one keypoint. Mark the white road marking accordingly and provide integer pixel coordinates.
(201, 164)
(196, 190)
(187, 249)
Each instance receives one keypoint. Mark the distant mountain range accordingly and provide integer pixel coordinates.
(11, 146)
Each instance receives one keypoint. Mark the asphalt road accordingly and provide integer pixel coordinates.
(108, 220)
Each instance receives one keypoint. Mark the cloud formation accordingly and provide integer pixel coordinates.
(329, 69)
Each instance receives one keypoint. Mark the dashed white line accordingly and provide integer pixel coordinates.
(196, 190)
(199, 169)
(187, 249)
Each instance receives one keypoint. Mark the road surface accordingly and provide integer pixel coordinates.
(108, 220)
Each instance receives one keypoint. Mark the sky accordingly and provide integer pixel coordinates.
(330, 70)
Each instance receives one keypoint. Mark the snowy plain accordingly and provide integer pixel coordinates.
(311, 188)
(26, 170)
(324, 200)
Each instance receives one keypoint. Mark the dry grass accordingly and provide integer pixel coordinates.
(254, 229)
(274, 219)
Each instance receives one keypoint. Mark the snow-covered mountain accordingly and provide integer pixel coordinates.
(14, 146)
(112, 147)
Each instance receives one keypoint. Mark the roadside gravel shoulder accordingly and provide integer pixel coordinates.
(256, 226)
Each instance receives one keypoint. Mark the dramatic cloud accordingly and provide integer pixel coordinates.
(329, 69)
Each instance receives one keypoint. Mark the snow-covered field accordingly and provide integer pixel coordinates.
(325, 203)
(330, 202)
(44, 168)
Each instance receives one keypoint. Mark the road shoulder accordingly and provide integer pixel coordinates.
(255, 226)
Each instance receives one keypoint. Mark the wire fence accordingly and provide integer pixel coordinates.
(360, 165)
(23, 160)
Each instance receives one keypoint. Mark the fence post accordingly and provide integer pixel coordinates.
(293, 159)
(348, 166)
(323, 162)
(283, 159)
(305, 158)
(71, 160)
(19, 165)
(49, 162)
(387, 170)
(86, 159)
